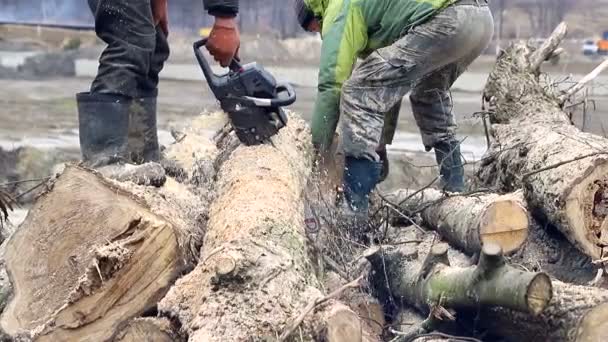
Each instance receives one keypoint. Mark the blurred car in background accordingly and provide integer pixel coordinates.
(590, 48)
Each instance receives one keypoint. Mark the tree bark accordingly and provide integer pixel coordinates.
(571, 313)
(91, 255)
(490, 283)
(535, 147)
(576, 313)
(94, 253)
(468, 222)
(254, 275)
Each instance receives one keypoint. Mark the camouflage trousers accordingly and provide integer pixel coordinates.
(426, 61)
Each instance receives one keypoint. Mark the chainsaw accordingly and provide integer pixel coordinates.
(250, 96)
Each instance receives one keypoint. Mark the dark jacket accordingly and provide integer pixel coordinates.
(222, 7)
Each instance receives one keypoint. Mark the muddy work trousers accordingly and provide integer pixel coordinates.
(426, 61)
(136, 51)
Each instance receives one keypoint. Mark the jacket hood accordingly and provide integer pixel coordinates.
(318, 6)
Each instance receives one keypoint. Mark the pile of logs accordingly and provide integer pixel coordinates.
(225, 250)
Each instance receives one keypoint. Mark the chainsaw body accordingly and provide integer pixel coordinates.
(250, 96)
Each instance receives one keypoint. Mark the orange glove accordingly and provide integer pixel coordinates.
(160, 13)
(224, 40)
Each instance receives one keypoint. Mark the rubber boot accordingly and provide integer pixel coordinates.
(360, 178)
(104, 129)
(447, 154)
(143, 136)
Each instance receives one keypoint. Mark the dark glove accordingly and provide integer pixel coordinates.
(224, 40)
(160, 13)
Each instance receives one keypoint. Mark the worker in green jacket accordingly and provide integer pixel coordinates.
(421, 46)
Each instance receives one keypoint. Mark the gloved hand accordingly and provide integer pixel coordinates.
(224, 40)
(160, 13)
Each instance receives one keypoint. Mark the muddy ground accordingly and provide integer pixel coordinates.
(39, 127)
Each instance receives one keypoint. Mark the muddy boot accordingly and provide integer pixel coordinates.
(451, 169)
(360, 178)
(104, 128)
(143, 136)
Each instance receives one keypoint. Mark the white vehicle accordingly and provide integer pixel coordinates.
(589, 48)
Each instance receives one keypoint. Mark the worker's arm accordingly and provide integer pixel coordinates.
(344, 37)
(222, 8)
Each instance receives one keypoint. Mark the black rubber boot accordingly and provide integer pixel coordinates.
(104, 130)
(143, 136)
(103, 123)
(447, 154)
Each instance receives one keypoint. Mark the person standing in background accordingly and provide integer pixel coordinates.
(117, 116)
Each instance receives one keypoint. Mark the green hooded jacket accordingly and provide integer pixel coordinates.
(352, 29)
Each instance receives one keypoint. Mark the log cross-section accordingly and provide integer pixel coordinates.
(88, 257)
(469, 221)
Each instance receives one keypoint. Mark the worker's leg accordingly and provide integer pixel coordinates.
(388, 74)
(391, 119)
(143, 137)
(104, 112)
(128, 29)
(432, 108)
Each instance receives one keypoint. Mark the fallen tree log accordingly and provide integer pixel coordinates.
(254, 276)
(102, 253)
(490, 283)
(469, 221)
(576, 313)
(570, 312)
(563, 171)
(94, 253)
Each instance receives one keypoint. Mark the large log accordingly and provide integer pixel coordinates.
(469, 221)
(536, 147)
(576, 313)
(94, 253)
(569, 314)
(254, 274)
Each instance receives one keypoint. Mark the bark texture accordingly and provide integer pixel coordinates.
(432, 281)
(254, 274)
(573, 313)
(535, 147)
(106, 251)
(576, 313)
(468, 222)
(104, 254)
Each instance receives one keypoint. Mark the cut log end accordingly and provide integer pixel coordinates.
(539, 294)
(594, 326)
(225, 266)
(504, 223)
(587, 212)
(343, 325)
(147, 330)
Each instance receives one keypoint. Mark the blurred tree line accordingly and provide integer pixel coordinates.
(278, 17)
(259, 16)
